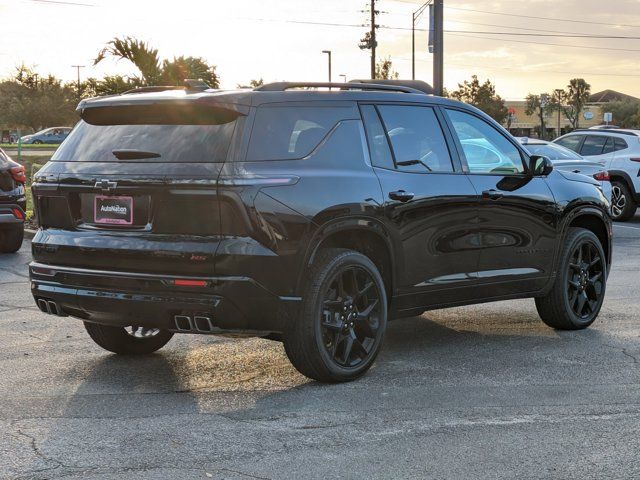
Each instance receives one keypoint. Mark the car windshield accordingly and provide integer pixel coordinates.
(552, 151)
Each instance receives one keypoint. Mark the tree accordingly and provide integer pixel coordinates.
(576, 96)
(255, 83)
(537, 105)
(32, 101)
(625, 114)
(384, 70)
(482, 96)
(152, 72)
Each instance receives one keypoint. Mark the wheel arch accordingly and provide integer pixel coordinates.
(621, 175)
(594, 220)
(365, 235)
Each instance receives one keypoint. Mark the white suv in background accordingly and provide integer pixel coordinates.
(618, 151)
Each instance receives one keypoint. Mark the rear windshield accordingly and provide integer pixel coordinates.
(188, 141)
(292, 132)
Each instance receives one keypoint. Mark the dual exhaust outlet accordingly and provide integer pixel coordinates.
(50, 307)
(195, 324)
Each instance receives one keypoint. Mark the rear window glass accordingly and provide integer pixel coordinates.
(291, 132)
(620, 144)
(167, 133)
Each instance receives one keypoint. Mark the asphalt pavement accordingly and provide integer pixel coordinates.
(476, 392)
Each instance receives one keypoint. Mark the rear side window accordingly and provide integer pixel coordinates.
(378, 145)
(571, 142)
(609, 146)
(292, 132)
(168, 133)
(593, 145)
(416, 137)
(620, 144)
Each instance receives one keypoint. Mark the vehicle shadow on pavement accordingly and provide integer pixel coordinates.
(185, 403)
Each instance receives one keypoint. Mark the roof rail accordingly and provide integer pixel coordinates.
(618, 131)
(282, 86)
(424, 87)
(189, 84)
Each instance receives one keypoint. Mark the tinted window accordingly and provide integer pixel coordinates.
(378, 145)
(572, 142)
(620, 144)
(174, 143)
(593, 145)
(609, 146)
(485, 148)
(416, 135)
(288, 132)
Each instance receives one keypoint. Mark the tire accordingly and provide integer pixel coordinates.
(623, 206)
(11, 239)
(339, 332)
(576, 288)
(37, 142)
(118, 340)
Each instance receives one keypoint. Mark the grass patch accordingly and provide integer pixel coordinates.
(14, 146)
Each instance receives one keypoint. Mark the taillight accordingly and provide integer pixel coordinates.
(18, 213)
(602, 176)
(18, 174)
(187, 282)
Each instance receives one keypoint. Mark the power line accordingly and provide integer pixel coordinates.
(60, 2)
(540, 18)
(547, 43)
(560, 35)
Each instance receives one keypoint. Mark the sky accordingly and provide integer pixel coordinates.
(283, 39)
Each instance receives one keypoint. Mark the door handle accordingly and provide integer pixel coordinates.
(492, 194)
(401, 196)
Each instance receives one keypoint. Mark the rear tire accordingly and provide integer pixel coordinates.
(118, 340)
(343, 318)
(580, 285)
(623, 206)
(11, 239)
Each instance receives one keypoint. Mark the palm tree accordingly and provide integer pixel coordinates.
(152, 72)
(137, 52)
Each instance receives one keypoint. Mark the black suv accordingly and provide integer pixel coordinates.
(13, 204)
(305, 215)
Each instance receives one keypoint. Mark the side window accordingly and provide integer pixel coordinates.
(620, 144)
(292, 132)
(485, 148)
(416, 138)
(593, 145)
(609, 146)
(572, 142)
(378, 145)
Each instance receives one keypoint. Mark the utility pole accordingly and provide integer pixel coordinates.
(328, 52)
(78, 67)
(438, 50)
(369, 39)
(373, 39)
(414, 18)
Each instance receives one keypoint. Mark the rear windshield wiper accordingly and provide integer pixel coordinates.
(134, 154)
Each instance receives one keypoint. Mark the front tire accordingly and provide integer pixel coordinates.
(128, 341)
(11, 239)
(343, 318)
(578, 291)
(623, 207)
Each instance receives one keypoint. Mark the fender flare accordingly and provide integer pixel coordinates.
(331, 227)
(627, 179)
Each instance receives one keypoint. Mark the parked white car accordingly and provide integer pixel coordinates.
(618, 151)
(569, 161)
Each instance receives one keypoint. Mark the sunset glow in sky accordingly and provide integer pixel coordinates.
(249, 39)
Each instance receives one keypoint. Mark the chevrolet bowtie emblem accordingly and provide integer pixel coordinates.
(106, 185)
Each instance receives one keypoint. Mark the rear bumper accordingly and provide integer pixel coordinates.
(12, 214)
(230, 304)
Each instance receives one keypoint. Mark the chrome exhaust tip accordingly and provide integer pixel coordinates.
(183, 323)
(43, 305)
(203, 324)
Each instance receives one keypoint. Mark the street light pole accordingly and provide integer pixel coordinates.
(328, 52)
(344, 77)
(438, 47)
(414, 17)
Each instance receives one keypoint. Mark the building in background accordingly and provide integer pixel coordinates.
(523, 125)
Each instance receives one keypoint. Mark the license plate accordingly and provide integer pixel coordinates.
(113, 210)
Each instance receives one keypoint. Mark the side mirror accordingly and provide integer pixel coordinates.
(540, 166)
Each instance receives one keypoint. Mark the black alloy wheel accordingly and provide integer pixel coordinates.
(585, 279)
(351, 316)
